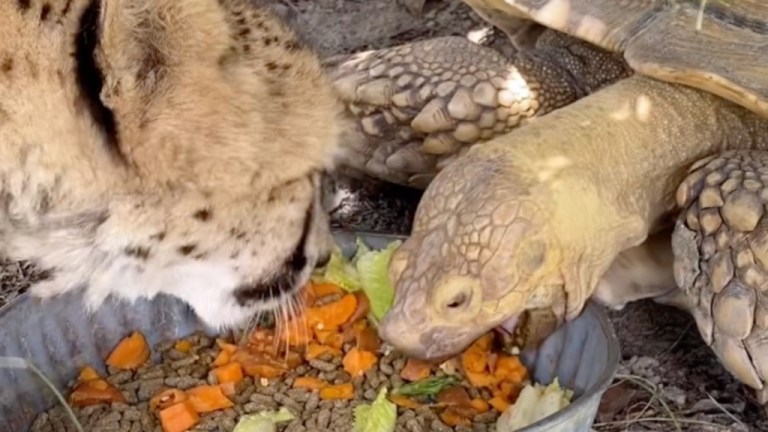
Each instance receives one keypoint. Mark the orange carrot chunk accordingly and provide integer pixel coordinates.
(404, 402)
(332, 315)
(452, 418)
(475, 358)
(207, 398)
(166, 398)
(130, 353)
(415, 370)
(480, 405)
(94, 392)
(88, 373)
(179, 417)
(338, 391)
(315, 350)
(356, 362)
(309, 383)
(229, 373)
(499, 403)
(323, 289)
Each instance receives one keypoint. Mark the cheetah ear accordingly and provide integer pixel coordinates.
(142, 41)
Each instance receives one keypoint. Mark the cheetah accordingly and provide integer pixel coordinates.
(164, 147)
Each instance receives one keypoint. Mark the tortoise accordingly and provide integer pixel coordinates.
(634, 166)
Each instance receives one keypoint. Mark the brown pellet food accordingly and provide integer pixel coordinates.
(278, 371)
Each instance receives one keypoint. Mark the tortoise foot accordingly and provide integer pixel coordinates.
(721, 259)
(417, 107)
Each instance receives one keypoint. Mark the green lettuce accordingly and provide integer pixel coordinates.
(373, 268)
(265, 421)
(379, 416)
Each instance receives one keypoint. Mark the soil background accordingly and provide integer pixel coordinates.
(669, 379)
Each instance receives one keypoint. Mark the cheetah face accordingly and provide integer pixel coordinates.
(219, 125)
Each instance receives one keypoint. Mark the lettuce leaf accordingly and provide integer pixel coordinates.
(379, 416)
(265, 421)
(373, 268)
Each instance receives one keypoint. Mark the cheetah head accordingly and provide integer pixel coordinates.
(222, 125)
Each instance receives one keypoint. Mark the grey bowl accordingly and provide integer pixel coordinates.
(59, 338)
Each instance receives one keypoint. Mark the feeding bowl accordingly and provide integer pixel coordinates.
(59, 338)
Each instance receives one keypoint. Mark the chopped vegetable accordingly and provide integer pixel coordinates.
(332, 315)
(94, 392)
(130, 353)
(339, 271)
(373, 268)
(452, 418)
(535, 402)
(475, 358)
(366, 338)
(88, 373)
(309, 383)
(405, 401)
(263, 421)
(207, 398)
(427, 387)
(316, 350)
(356, 362)
(166, 398)
(415, 370)
(229, 373)
(338, 391)
(179, 417)
(323, 289)
(379, 416)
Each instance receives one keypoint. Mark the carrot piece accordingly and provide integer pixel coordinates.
(367, 338)
(309, 383)
(88, 373)
(295, 332)
(231, 372)
(222, 358)
(452, 418)
(179, 417)
(259, 365)
(356, 361)
(415, 370)
(165, 398)
(475, 358)
(330, 338)
(332, 315)
(207, 398)
(184, 346)
(510, 368)
(363, 306)
(323, 289)
(480, 405)
(338, 391)
(479, 380)
(499, 403)
(130, 353)
(404, 402)
(94, 392)
(228, 388)
(315, 350)
(226, 346)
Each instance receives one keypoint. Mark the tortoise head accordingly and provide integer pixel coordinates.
(482, 251)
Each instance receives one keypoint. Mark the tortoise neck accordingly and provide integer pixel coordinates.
(620, 153)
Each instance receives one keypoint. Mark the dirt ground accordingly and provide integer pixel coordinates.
(669, 379)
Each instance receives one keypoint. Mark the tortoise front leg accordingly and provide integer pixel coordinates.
(420, 105)
(721, 259)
